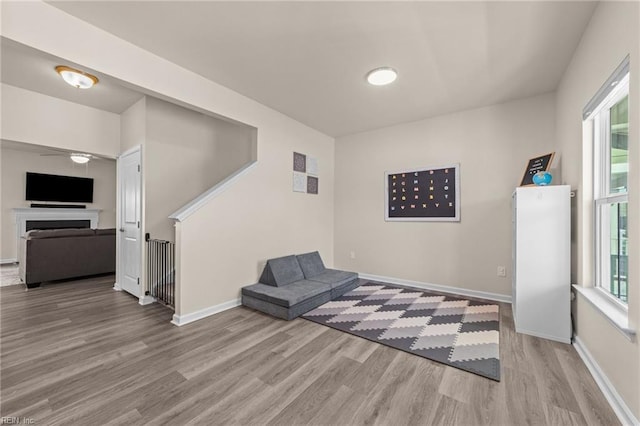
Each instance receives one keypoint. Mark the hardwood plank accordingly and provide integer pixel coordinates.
(586, 391)
(283, 393)
(553, 384)
(452, 412)
(413, 403)
(223, 411)
(311, 400)
(299, 358)
(128, 418)
(368, 375)
(78, 352)
(377, 408)
(523, 397)
(338, 409)
(560, 416)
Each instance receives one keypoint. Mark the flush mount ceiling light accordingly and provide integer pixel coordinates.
(80, 158)
(382, 76)
(76, 78)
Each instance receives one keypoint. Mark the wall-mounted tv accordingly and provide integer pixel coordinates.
(43, 187)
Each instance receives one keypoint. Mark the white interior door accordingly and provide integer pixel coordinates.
(129, 234)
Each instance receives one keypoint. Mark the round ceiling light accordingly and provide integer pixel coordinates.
(382, 76)
(76, 78)
(80, 158)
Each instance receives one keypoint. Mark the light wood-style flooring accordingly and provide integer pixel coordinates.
(79, 353)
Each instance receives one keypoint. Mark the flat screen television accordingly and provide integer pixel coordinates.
(43, 187)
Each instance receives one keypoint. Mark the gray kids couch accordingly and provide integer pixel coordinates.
(293, 285)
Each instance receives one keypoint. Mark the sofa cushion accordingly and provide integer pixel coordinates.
(344, 288)
(335, 278)
(286, 313)
(59, 233)
(311, 264)
(288, 295)
(107, 231)
(282, 271)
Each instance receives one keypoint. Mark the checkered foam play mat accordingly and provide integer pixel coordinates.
(457, 332)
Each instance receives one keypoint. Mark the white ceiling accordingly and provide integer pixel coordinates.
(308, 59)
(43, 150)
(34, 70)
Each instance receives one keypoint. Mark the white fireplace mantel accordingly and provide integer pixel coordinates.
(25, 214)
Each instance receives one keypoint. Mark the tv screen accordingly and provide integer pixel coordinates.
(42, 187)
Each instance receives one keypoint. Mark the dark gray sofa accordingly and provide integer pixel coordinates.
(58, 254)
(293, 285)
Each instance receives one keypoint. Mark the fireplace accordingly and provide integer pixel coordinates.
(52, 218)
(56, 224)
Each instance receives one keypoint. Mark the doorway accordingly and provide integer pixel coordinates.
(129, 227)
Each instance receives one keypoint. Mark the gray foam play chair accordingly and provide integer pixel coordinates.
(293, 285)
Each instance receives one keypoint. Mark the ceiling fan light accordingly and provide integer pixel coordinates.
(76, 78)
(382, 76)
(80, 158)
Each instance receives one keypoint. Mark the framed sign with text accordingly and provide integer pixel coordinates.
(535, 165)
(425, 194)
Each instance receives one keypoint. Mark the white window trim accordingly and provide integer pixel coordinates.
(611, 308)
(600, 245)
(599, 118)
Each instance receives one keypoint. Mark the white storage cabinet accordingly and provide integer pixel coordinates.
(541, 293)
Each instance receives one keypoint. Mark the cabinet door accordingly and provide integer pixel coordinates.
(542, 266)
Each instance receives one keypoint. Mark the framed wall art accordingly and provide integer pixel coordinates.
(305, 174)
(535, 165)
(424, 194)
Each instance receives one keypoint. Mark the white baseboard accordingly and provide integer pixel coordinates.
(180, 320)
(544, 336)
(618, 405)
(441, 288)
(8, 261)
(146, 300)
(117, 287)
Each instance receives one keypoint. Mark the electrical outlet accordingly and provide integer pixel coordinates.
(502, 271)
(352, 254)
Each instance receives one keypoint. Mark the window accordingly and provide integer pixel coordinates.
(610, 120)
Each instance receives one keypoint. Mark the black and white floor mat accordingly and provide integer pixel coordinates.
(458, 332)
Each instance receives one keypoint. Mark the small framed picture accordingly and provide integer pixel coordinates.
(299, 182)
(312, 185)
(535, 165)
(299, 162)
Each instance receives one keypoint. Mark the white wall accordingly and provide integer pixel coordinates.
(492, 145)
(612, 34)
(133, 125)
(186, 153)
(15, 164)
(225, 244)
(34, 118)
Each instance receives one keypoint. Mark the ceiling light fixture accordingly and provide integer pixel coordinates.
(382, 76)
(80, 158)
(76, 78)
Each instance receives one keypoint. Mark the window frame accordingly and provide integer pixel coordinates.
(602, 195)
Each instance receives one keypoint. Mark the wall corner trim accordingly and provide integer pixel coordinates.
(180, 320)
(195, 204)
(616, 402)
(438, 287)
(146, 300)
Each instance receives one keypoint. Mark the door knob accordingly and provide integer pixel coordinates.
(121, 229)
